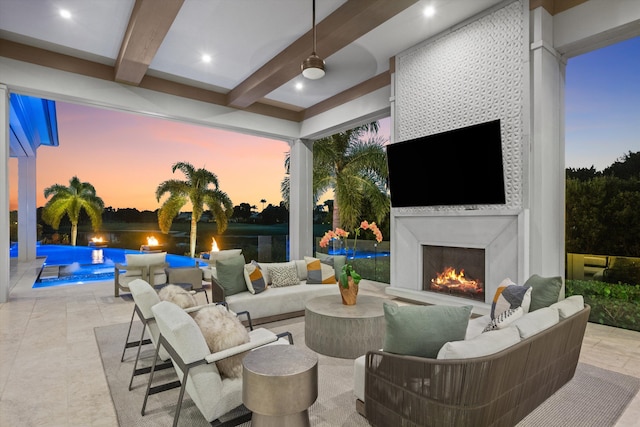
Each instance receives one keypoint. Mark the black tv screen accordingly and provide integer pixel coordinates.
(457, 167)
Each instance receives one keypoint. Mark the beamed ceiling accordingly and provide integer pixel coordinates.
(256, 46)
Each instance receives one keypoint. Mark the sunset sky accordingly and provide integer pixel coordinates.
(125, 156)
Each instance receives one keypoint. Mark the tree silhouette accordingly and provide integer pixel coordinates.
(70, 201)
(355, 168)
(195, 190)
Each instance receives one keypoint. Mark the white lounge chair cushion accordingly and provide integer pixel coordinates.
(146, 297)
(212, 395)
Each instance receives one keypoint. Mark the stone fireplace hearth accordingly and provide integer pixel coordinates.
(499, 234)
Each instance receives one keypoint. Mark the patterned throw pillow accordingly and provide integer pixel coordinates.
(286, 275)
(318, 272)
(504, 319)
(510, 296)
(254, 278)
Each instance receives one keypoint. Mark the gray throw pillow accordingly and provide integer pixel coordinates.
(231, 274)
(545, 291)
(423, 330)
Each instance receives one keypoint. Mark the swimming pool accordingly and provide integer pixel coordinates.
(82, 264)
(359, 253)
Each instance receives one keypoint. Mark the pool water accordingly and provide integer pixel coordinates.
(82, 264)
(359, 254)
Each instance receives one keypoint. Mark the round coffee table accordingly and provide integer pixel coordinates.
(346, 331)
(279, 384)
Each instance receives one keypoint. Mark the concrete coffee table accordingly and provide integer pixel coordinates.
(279, 384)
(346, 331)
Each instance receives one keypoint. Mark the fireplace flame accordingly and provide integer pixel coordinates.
(152, 241)
(214, 245)
(450, 280)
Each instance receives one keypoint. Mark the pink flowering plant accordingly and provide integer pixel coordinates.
(339, 233)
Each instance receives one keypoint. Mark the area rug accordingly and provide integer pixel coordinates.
(594, 397)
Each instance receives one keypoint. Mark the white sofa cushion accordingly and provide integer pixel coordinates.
(482, 345)
(358, 377)
(536, 321)
(569, 306)
(274, 301)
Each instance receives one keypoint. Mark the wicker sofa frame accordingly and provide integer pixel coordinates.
(495, 390)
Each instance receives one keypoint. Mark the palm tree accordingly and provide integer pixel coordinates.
(195, 190)
(263, 201)
(70, 201)
(355, 168)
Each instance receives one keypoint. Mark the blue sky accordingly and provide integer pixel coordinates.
(603, 105)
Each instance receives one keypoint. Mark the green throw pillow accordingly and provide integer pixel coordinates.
(423, 330)
(231, 274)
(545, 291)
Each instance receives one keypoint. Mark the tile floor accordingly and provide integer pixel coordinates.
(51, 373)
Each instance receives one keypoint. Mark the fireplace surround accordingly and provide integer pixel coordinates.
(500, 234)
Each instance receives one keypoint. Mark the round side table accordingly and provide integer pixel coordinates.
(346, 331)
(279, 384)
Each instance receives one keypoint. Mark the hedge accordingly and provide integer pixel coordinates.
(612, 304)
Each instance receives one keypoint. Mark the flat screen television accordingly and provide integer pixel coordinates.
(457, 167)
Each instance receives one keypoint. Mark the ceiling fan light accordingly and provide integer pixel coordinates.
(313, 67)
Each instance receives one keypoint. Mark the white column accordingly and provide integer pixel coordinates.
(4, 194)
(547, 166)
(301, 199)
(27, 218)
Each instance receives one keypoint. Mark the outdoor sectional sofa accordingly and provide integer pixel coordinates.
(496, 389)
(277, 303)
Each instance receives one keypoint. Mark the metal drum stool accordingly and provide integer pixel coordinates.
(279, 384)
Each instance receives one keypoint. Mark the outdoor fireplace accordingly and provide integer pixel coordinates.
(455, 271)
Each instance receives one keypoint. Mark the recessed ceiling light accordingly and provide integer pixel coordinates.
(299, 86)
(429, 11)
(65, 13)
(206, 58)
